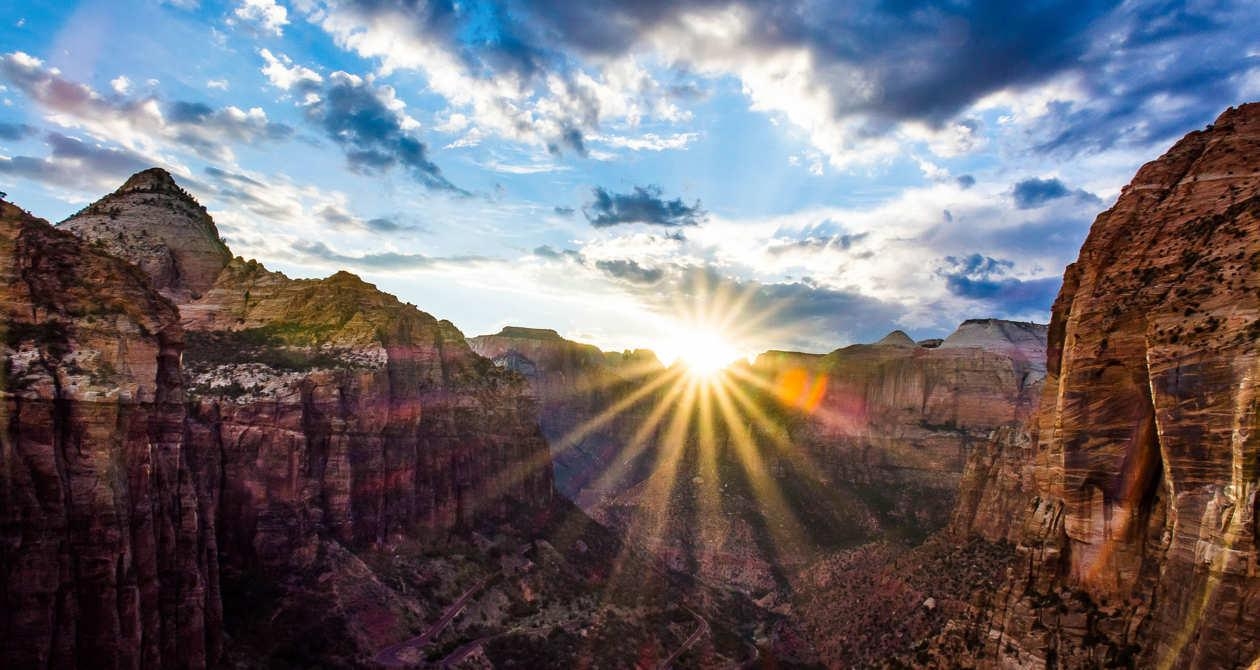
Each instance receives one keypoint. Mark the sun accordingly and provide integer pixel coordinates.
(705, 353)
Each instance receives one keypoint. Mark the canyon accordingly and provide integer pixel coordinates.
(206, 463)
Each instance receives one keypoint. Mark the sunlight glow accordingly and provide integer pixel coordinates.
(704, 352)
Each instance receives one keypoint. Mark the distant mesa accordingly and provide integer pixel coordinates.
(520, 332)
(930, 343)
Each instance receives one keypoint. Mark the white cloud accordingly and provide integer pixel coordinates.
(284, 74)
(218, 84)
(140, 124)
(647, 141)
(267, 15)
(120, 84)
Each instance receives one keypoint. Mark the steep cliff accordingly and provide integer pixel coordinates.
(106, 557)
(1138, 539)
(899, 417)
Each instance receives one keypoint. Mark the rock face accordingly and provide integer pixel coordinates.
(898, 416)
(1138, 482)
(107, 558)
(310, 419)
(155, 224)
(576, 384)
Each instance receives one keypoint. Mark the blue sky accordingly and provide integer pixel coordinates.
(820, 173)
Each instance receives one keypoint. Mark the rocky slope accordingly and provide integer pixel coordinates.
(107, 559)
(155, 224)
(1134, 493)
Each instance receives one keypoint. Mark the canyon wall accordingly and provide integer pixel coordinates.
(308, 416)
(106, 556)
(1134, 491)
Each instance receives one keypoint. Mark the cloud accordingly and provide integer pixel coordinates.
(381, 261)
(264, 16)
(15, 131)
(860, 79)
(74, 163)
(979, 277)
(563, 211)
(501, 76)
(630, 271)
(142, 124)
(648, 141)
(643, 205)
(368, 122)
(121, 85)
(966, 181)
(1034, 192)
(284, 74)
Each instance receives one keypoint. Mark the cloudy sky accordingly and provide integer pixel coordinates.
(831, 170)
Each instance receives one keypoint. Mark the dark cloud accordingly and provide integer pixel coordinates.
(16, 131)
(383, 261)
(353, 114)
(384, 224)
(551, 253)
(983, 278)
(888, 62)
(966, 181)
(564, 211)
(1036, 192)
(233, 177)
(643, 205)
(571, 139)
(630, 271)
(74, 163)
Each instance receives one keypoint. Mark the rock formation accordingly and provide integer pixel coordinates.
(107, 557)
(902, 418)
(308, 414)
(1135, 493)
(155, 224)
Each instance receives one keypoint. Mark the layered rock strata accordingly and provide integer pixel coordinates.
(107, 556)
(1138, 483)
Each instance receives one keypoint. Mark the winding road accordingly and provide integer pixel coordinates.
(392, 656)
(701, 630)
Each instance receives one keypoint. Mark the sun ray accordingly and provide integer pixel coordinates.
(789, 529)
(606, 415)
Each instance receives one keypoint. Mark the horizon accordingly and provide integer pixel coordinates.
(847, 193)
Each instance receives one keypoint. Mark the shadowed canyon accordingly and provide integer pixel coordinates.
(206, 463)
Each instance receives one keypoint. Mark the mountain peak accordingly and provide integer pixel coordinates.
(161, 228)
(897, 338)
(152, 179)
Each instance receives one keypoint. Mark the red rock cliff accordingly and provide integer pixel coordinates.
(106, 558)
(1139, 539)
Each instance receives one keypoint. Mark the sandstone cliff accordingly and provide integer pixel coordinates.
(1137, 541)
(309, 418)
(106, 557)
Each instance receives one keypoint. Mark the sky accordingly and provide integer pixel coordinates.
(808, 174)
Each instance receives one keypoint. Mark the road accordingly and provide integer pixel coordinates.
(701, 630)
(391, 656)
